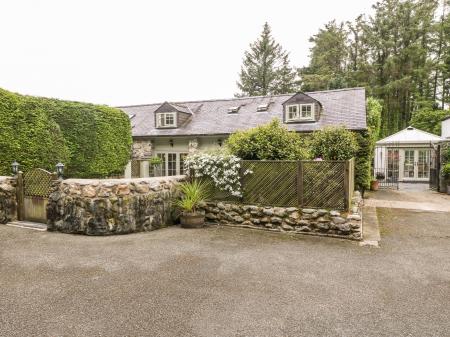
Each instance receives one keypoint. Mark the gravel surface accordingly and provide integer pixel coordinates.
(228, 282)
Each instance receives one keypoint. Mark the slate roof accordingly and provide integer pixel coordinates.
(346, 107)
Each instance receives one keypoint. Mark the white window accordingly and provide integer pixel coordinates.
(172, 163)
(300, 112)
(166, 120)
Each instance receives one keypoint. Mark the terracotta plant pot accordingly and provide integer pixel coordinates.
(192, 220)
(374, 184)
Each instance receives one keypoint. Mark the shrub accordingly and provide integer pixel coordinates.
(91, 140)
(222, 169)
(29, 135)
(334, 143)
(429, 120)
(271, 141)
(446, 171)
(193, 194)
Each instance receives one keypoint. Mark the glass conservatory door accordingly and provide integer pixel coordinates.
(423, 164)
(408, 166)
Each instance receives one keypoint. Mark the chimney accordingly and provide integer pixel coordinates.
(445, 133)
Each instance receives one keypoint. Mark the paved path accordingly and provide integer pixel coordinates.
(420, 200)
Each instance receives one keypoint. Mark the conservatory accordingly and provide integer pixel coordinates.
(405, 156)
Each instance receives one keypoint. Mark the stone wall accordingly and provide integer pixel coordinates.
(142, 149)
(111, 206)
(290, 219)
(8, 201)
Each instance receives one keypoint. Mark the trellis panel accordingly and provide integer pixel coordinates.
(270, 183)
(324, 184)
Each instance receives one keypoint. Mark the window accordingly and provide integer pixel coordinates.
(233, 109)
(262, 107)
(172, 163)
(165, 120)
(300, 112)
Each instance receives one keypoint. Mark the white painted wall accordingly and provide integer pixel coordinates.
(446, 129)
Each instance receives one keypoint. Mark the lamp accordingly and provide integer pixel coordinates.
(60, 169)
(15, 167)
(219, 141)
(171, 142)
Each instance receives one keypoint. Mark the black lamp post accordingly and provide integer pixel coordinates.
(60, 170)
(15, 167)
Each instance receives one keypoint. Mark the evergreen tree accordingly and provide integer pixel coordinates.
(329, 56)
(266, 69)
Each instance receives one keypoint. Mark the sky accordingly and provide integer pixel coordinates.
(136, 51)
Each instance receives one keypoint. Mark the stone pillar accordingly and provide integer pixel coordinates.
(193, 145)
(142, 149)
(127, 173)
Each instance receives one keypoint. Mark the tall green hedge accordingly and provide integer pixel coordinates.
(91, 140)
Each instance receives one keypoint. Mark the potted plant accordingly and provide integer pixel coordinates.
(193, 194)
(374, 184)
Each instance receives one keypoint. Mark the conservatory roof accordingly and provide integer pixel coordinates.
(410, 135)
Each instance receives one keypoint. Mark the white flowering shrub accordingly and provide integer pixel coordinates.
(222, 169)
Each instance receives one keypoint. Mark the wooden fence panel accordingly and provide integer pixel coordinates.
(324, 184)
(308, 184)
(271, 183)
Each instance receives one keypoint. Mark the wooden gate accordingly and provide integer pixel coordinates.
(34, 187)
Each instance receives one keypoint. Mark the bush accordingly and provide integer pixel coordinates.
(271, 141)
(29, 135)
(334, 143)
(94, 140)
(429, 120)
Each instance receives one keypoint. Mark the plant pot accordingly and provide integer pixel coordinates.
(192, 220)
(374, 185)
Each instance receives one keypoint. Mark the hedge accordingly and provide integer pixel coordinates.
(28, 135)
(91, 140)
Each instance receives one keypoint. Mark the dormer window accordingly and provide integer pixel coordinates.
(166, 120)
(299, 112)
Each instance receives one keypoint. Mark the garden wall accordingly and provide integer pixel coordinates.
(290, 219)
(111, 206)
(8, 203)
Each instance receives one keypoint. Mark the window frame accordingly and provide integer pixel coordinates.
(299, 117)
(165, 115)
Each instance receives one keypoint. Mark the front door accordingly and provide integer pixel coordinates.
(416, 165)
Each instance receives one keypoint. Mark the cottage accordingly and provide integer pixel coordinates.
(170, 131)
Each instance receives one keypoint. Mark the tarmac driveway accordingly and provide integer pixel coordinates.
(228, 282)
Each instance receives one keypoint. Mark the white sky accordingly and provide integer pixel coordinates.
(132, 52)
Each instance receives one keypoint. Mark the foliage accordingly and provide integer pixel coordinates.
(154, 161)
(363, 160)
(429, 120)
(222, 169)
(271, 141)
(374, 109)
(446, 170)
(92, 140)
(194, 193)
(28, 135)
(401, 54)
(327, 59)
(334, 143)
(266, 68)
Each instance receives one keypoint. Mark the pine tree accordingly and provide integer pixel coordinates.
(329, 56)
(266, 69)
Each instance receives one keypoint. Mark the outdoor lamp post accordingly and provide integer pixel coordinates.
(60, 170)
(15, 167)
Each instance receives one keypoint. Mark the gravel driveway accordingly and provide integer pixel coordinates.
(228, 282)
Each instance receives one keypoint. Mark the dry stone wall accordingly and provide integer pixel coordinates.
(111, 206)
(8, 202)
(289, 219)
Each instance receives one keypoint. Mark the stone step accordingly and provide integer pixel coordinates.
(28, 225)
